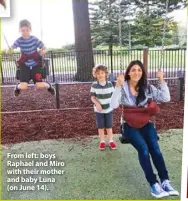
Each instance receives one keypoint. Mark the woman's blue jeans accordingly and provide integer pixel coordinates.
(145, 141)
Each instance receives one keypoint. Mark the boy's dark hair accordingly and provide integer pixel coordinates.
(24, 23)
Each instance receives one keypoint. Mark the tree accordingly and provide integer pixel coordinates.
(83, 45)
(150, 21)
(148, 30)
(104, 18)
(182, 35)
(142, 22)
(69, 47)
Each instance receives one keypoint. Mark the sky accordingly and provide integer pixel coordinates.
(55, 21)
(52, 21)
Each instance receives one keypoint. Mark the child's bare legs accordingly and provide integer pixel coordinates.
(102, 144)
(42, 85)
(110, 138)
(46, 85)
(110, 134)
(101, 134)
(22, 85)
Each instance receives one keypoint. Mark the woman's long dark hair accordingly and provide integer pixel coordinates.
(142, 83)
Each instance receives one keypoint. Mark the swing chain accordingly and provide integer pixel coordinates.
(163, 36)
(120, 38)
(121, 62)
(12, 55)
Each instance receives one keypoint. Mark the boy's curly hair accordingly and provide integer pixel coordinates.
(102, 68)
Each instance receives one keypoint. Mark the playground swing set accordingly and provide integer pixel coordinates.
(45, 67)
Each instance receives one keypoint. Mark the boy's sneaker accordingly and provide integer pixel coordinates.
(157, 191)
(112, 145)
(51, 90)
(102, 145)
(17, 91)
(168, 188)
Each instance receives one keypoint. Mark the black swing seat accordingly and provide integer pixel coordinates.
(123, 137)
(44, 69)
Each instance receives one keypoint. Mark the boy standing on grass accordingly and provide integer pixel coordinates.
(101, 92)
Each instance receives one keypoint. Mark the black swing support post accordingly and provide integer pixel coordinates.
(180, 84)
(57, 95)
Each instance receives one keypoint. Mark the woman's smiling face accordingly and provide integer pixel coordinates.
(135, 73)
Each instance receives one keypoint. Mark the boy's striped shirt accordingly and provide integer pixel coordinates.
(28, 46)
(103, 94)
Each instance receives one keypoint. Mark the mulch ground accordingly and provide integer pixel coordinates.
(58, 124)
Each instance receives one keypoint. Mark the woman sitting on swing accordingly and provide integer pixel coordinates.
(132, 91)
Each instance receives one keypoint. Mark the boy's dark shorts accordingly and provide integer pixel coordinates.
(104, 120)
(26, 74)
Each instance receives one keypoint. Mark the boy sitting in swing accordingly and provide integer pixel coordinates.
(30, 61)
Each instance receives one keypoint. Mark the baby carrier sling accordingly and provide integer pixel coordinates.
(138, 116)
(24, 57)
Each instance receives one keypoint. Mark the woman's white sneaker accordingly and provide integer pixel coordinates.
(157, 191)
(168, 188)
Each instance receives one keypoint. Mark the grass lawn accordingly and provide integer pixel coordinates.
(93, 174)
